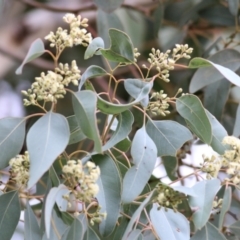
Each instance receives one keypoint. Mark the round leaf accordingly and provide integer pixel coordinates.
(46, 140)
(9, 214)
(169, 224)
(93, 47)
(144, 155)
(108, 5)
(109, 195)
(36, 49)
(163, 133)
(11, 138)
(191, 109)
(84, 105)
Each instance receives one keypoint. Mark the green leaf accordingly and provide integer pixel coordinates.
(236, 130)
(226, 72)
(135, 86)
(218, 133)
(111, 108)
(121, 49)
(163, 133)
(202, 203)
(9, 214)
(233, 6)
(135, 234)
(36, 49)
(108, 5)
(105, 21)
(92, 234)
(169, 224)
(109, 195)
(60, 201)
(11, 138)
(123, 146)
(125, 121)
(31, 227)
(227, 198)
(171, 164)
(204, 76)
(91, 72)
(46, 140)
(185, 190)
(93, 48)
(137, 214)
(144, 156)
(84, 105)
(54, 177)
(76, 231)
(215, 97)
(191, 109)
(208, 232)
(50, 201)
(76, 134)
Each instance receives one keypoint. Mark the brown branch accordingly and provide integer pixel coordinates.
(85, 7)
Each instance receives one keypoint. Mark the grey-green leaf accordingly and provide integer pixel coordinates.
(109, 195)
(224, 71)
(76, 134)
(46, 140)
(50, 201)
(204, 76)
(124, 127)
(202, 203)
(191, 109)
(236, 129)
(93, 48)
(31, 227)
(218, 133)
(108, 5)
(111, 108)
(144, 155)
(169, 224)
(135, 86)
(208, 232)
(76, 230)
(36, 49)
(11, 138)
(84, 105)
(9, 214)
(121, 49)
(91, 72)
(165, 135)
(226, 203)
(137, 213)
(235, 228)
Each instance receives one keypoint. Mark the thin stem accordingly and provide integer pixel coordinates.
(194, 173)
(51, 54)
(124, 155)
(129, 217)
(78, 151)
(108, 128)
(135, 64)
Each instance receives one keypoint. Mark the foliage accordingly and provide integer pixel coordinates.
(91, 171)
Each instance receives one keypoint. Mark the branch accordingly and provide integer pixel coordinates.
(85, 7)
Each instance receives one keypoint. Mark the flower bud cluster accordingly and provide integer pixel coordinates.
(160, 106)
(163, 62)
(20, 169)
(136, 54)
(168, 197)
(211, 166)
(50, 87)
(181, 51)
(77, 36)
(97, 216)
(82, 179)
(230, 160)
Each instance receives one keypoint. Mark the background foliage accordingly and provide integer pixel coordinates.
(211, 28)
